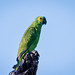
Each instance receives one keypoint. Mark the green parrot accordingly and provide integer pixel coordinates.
(30, 38)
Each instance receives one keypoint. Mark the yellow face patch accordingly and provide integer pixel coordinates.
(40, 19)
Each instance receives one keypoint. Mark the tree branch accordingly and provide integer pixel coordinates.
(29, 64)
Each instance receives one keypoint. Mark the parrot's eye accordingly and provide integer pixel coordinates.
(40, 18)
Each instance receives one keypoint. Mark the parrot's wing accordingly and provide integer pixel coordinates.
(28, 38)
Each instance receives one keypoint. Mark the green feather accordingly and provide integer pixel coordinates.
(30, 38)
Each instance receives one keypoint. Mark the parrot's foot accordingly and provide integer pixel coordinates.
(29, 64)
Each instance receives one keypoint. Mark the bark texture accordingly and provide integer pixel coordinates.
(29, 64)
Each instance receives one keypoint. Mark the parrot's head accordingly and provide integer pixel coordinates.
(41, 20)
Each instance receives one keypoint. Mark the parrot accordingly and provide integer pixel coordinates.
(30, 38)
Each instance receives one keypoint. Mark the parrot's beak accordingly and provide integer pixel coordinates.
(44, 21)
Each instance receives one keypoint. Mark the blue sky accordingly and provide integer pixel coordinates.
(57, 41)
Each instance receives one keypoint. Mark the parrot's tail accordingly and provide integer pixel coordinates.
(20, 59)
